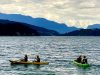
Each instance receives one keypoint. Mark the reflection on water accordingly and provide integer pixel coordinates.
(58, 51)
(25, 66)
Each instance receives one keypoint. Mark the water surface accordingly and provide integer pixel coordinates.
(58, 51)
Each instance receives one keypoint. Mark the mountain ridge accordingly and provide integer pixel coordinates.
(40, 22)
(84, 32)
(11, 28)
(47, 27)
(94, 26)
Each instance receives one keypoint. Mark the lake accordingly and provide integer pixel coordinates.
(58, 51)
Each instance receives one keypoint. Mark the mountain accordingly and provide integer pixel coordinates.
(40, 22)
(84, 32)
(94, 26)
(11, 28)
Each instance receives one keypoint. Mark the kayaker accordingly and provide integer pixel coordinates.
(79, 59)
(37, 58)
(25, 58)
(84, 61)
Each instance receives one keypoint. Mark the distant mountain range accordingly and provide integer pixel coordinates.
(20, 25)
(40, 22)
(84, 32)
(11, 28)
(94, 26)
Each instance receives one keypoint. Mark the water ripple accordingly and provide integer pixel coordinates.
(59, 51)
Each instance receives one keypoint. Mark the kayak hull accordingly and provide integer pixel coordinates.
(80, 64)
(28, 62)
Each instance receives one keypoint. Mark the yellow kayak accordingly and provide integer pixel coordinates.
(28, 62)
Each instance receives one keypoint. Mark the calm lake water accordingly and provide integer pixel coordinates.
(58, 51)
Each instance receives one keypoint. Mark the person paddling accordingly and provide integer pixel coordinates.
(37, 58)
(79, 59)
(25, 58)
(84, 61)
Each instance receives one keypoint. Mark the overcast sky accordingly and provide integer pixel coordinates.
(78, 13)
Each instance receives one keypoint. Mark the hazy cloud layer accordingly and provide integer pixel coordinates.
(78, 13)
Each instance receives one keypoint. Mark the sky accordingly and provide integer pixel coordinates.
(79, 13)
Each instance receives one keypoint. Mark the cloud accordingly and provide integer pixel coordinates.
(80, 13)
(6, 1)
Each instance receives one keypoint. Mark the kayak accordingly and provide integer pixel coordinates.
(80, 64)
(28, 62)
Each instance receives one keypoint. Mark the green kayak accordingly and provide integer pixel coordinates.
(80, 64)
